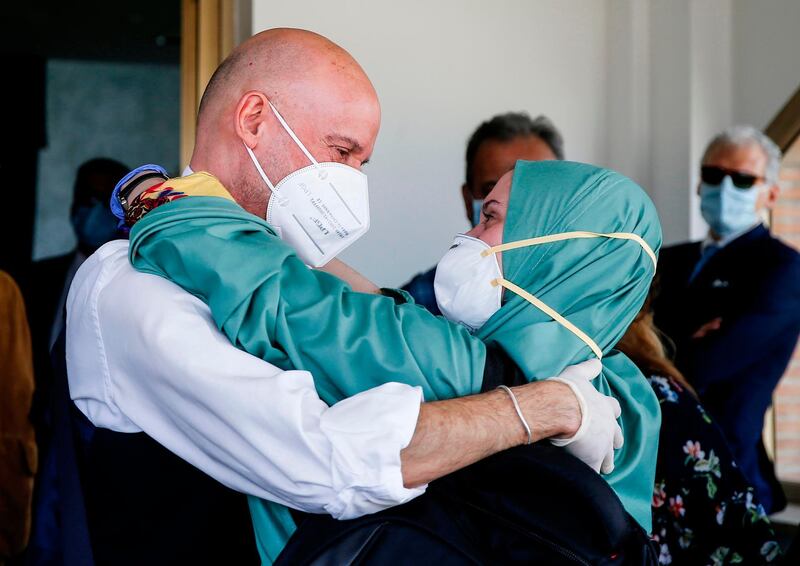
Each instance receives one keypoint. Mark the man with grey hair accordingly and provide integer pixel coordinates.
(493, 149)
(731, 303)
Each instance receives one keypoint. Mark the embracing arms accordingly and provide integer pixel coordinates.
(143, 355)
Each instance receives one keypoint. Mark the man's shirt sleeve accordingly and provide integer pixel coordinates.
(143, 355)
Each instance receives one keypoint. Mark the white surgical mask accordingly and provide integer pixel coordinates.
(320, 209)
(469, 283)
(463, 283)
(728, 209)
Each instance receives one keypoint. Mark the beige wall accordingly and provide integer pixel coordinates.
(766, 54)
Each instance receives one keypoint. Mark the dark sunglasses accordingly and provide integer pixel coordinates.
(715, 175)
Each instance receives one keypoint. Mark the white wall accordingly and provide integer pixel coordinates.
(669, 90)
(125, 111)
(441, 67)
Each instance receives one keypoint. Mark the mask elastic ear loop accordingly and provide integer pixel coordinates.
(258, 167)
(574, 235)
(538, 303)
(551, 313)
(291, 133)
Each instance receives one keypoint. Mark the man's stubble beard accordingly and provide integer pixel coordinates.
(252, 195)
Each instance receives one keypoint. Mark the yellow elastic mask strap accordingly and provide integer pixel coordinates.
(570, 236)
(550, 312)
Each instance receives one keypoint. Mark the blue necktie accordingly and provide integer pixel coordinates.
(708, 251)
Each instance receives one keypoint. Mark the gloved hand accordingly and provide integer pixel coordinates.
(599, 433)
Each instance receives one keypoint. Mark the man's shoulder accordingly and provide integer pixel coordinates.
(107, 258)
(782, 265)
(105, 266)
(675, 262)
(421, 288)
(764, 257)
(783, 253)
(109, 307)
(678, 251)
(108, 282)
(424, 279)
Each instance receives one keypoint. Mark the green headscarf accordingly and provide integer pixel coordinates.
(598, 284)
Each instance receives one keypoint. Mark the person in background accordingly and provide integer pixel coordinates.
(731, 303)
(704, 509)
(50, 278)
(18, 455)
(94, 225)
(492, 150)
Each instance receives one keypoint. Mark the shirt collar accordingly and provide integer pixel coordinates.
(187, 171)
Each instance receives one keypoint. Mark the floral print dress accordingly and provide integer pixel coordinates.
(704, 511)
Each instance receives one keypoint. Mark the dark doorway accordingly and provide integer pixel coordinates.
(82, 80)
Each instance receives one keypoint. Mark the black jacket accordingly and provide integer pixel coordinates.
(752, 285)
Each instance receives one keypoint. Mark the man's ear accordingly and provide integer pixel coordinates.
(251, 113)
(771, 196)
(468, 199)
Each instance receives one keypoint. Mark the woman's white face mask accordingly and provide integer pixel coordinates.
(469, 282)
(464, 286)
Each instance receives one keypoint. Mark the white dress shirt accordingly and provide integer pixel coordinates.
(144, 355)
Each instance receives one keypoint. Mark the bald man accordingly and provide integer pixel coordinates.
(144, 357)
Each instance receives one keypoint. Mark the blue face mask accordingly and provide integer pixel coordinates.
(728, 209)
(477, 206)
(94, 224)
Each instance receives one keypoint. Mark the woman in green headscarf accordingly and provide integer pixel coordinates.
(593, 284)
(269, 304)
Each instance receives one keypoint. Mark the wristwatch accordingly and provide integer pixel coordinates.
(128, 189)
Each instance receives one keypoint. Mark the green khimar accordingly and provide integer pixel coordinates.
(597, 284)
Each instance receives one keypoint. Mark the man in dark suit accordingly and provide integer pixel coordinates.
(492, 151)
(731, 303)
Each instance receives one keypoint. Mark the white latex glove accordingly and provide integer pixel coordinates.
(599, 433)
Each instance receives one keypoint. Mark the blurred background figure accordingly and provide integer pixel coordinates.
(492, 151)
(18, 456)
(731, 302)
(704, 509)
(50, 278)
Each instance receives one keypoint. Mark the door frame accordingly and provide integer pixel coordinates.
(784, 129)
(210, 29)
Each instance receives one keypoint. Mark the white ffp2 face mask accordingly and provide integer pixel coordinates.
(463, 283)
(469, 283)
(320, 209)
